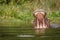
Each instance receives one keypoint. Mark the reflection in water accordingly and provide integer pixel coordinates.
(42, 31)
(25, 35)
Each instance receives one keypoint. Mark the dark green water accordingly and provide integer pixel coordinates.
(10, 33)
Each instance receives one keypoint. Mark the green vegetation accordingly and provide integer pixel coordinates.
(21, 10)
(12, 12)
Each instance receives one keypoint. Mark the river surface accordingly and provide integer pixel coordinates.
(28, 34)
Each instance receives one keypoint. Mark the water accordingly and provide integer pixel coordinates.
(51, 26)
(25, 35)
(52, 33)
